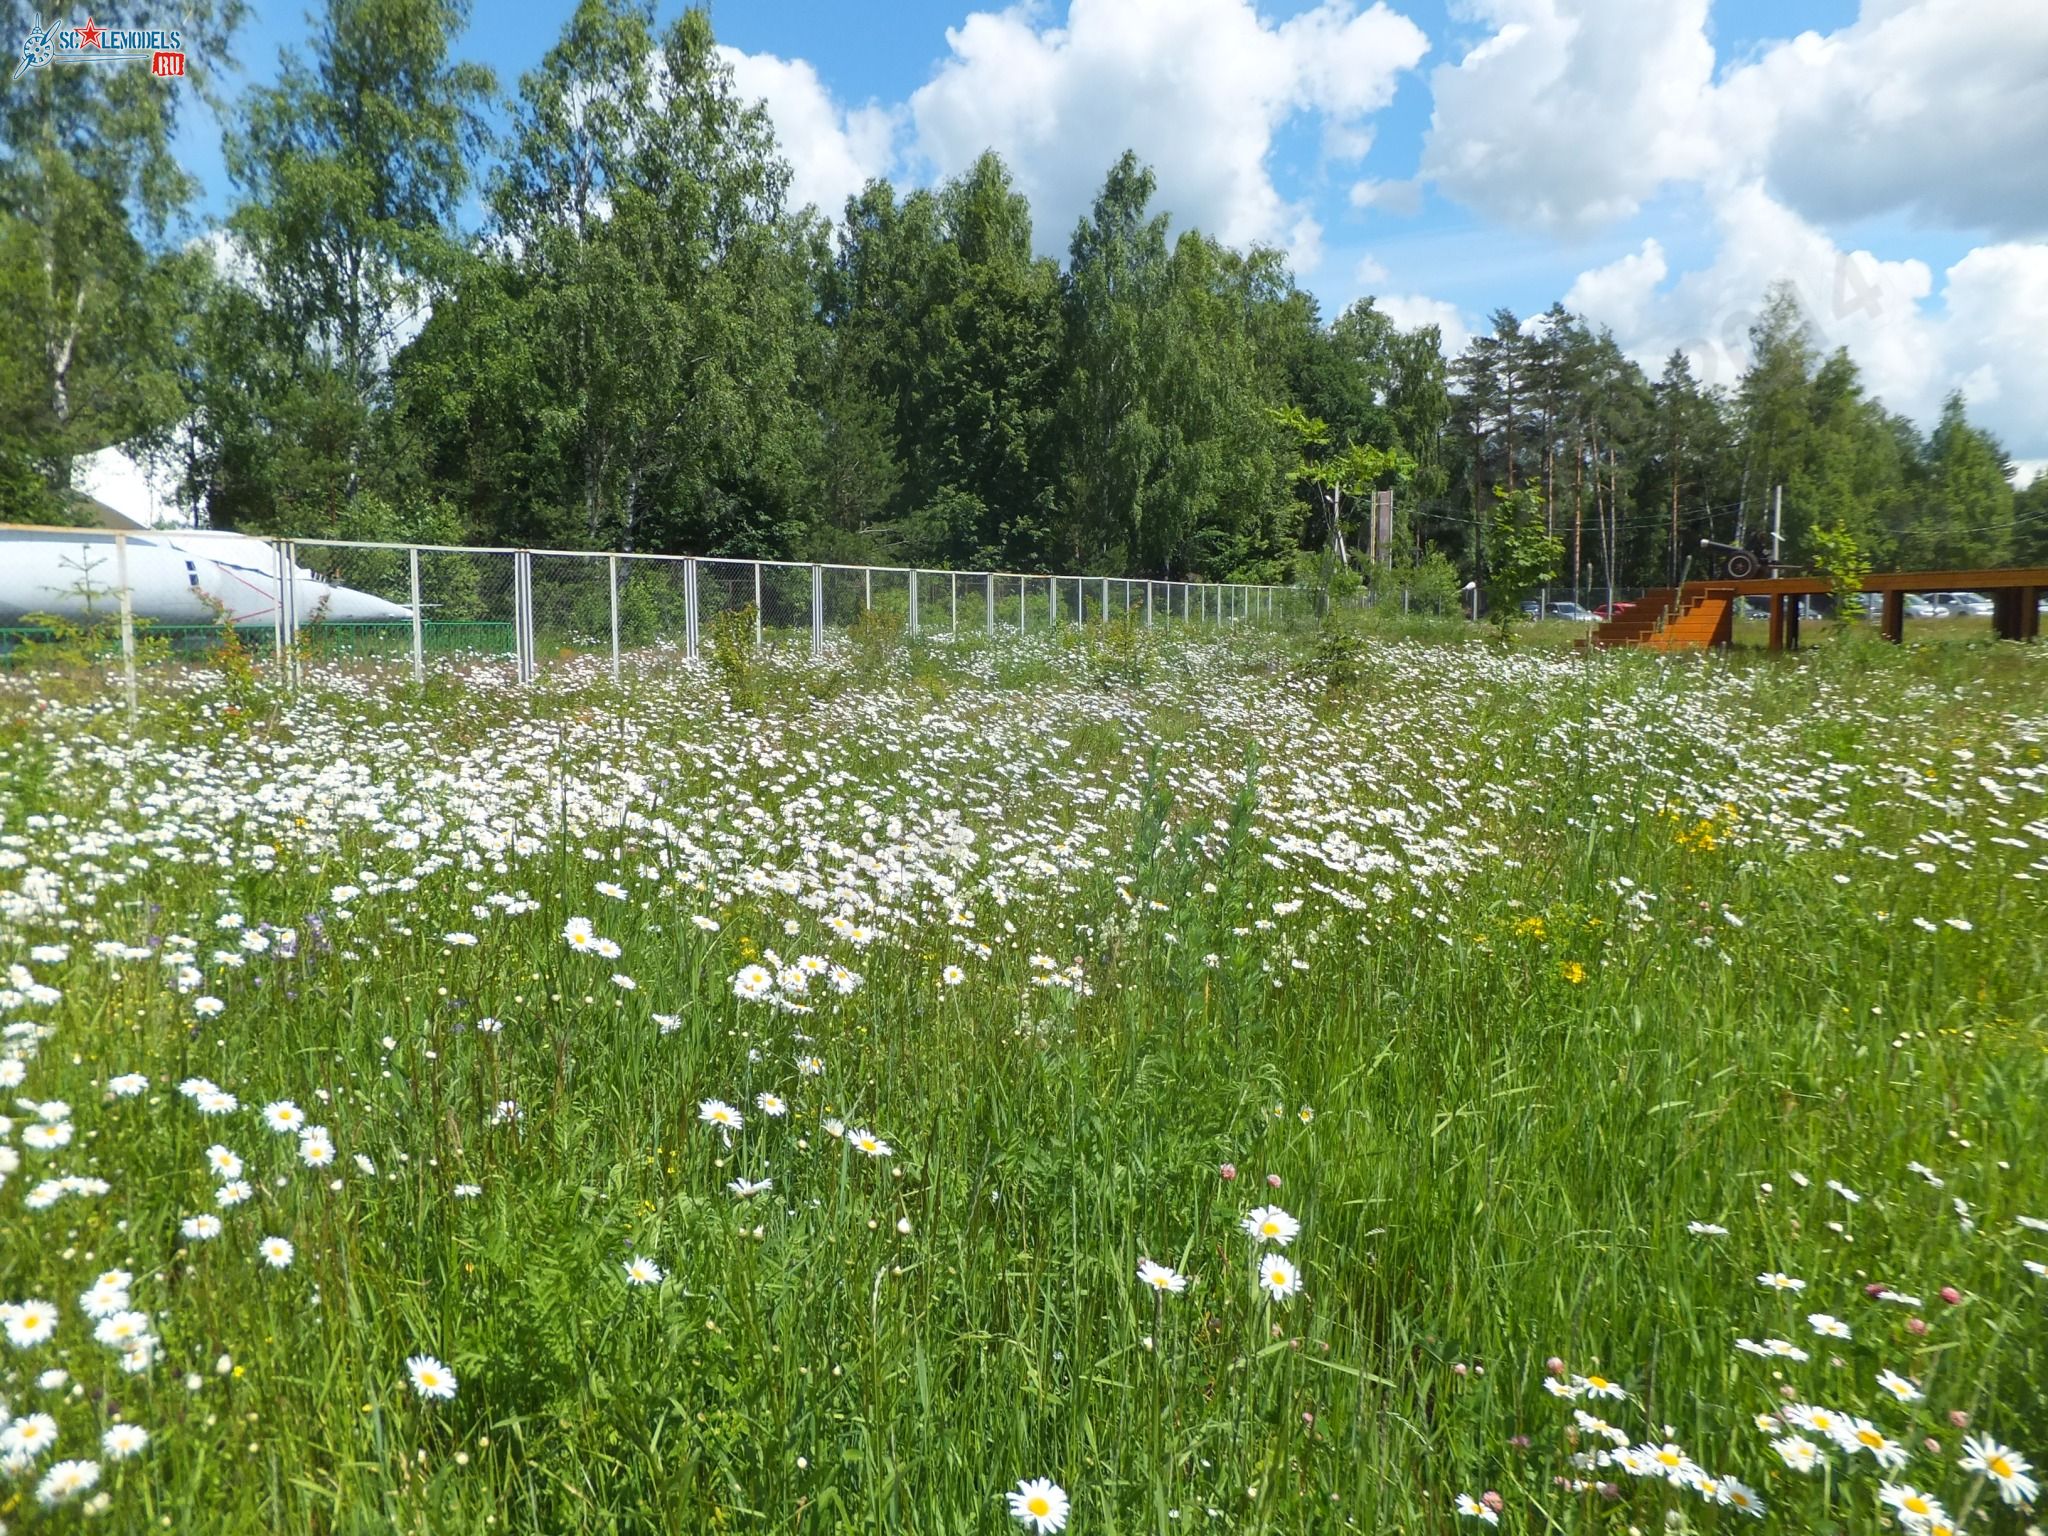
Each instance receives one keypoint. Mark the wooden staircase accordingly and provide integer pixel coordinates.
(1687, 618)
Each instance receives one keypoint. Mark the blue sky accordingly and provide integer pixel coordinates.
(1655, 162)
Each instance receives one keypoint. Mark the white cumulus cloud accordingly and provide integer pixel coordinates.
(1410, 310)
(1197, 88)
(1571, 112)
(1995, 319)
(832, 150)
(1851, 298)
(1937, 107)
(1980, 331)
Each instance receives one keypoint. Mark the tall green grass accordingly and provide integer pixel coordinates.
(1495, 1099)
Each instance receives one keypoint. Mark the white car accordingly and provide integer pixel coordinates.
(1974, 605)
(1917, 607)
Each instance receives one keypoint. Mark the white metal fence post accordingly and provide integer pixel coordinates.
(518, 617)
(867, 588)
(611, 563)
(523, 595)
(291, 614)
(127, 620)
(956, 603)
(989, 582)
(757, 605)
(277, 611)
(913, 602)
(419, 637)
(817, 610)
(689, 608)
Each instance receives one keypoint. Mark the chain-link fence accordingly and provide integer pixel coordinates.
(108, 600)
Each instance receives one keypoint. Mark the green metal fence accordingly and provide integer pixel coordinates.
(382, 641)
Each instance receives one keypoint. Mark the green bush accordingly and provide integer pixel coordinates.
(734, 661)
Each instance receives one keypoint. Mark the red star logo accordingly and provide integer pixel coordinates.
(88, 35)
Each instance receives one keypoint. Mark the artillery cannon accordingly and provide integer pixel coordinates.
(1741, 562)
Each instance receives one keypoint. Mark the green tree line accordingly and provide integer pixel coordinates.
(587, 315)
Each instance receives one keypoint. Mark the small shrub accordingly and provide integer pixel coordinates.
(1337, 661)
(1118, 657)
(876, 635)
(733, 659)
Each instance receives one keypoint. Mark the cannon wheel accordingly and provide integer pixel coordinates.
(1742, 565)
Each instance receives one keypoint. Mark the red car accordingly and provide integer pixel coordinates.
(1611, 610)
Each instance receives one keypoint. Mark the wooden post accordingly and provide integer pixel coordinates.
(1793, 603)
(2016, 613)
(1893, 619)
(1777, 640)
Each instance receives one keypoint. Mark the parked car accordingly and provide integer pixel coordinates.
(1611, 610)
(1572, 611)
(1917, 607)
(1972, 605)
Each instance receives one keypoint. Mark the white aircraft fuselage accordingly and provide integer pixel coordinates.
(173, 578)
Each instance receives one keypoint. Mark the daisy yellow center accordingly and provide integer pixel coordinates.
(1914, 1504)
(1038, 1504)
(1667, 1458)
(1999, 1466)
(1279, 1277)
(1597, 1383)
(1741, 1500)
(1270, 1228)
(1160, 1281)
(1870, 1437)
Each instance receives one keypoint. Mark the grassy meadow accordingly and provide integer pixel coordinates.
(743, 1098)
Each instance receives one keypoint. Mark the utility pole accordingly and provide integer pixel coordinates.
(1777, 523)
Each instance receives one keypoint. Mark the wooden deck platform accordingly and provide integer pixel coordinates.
(2015, 595)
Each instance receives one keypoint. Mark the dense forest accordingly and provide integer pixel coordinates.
(587, 316)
